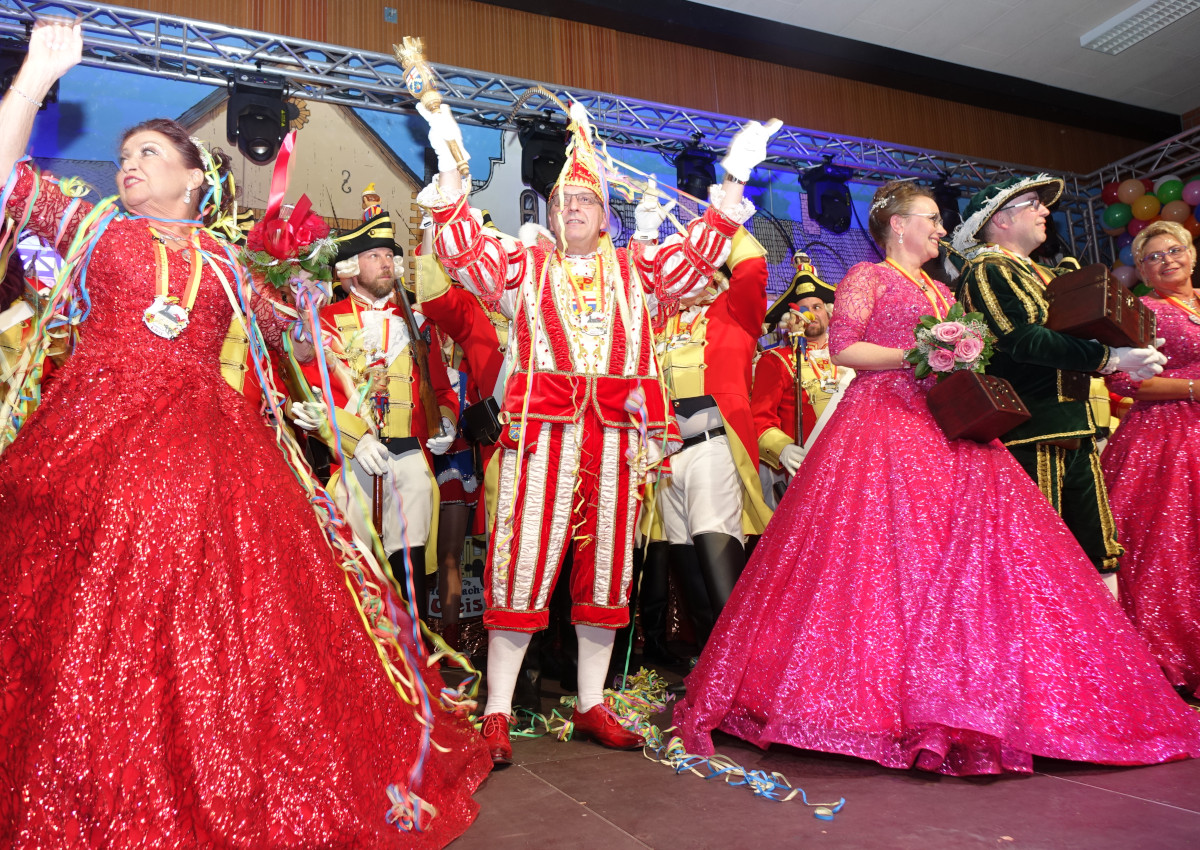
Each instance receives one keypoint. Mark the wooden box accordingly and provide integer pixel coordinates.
(1092, 304)
(972, 406)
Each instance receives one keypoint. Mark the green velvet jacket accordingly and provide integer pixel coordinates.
(1048, 369)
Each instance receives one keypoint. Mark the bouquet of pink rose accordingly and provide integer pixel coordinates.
(961, 341)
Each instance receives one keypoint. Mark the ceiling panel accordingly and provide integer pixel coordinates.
(1030, 39)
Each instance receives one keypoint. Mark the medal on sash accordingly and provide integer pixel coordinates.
(166, 316)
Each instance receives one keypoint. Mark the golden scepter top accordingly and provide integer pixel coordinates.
(421, 83)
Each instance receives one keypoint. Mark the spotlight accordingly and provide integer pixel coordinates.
(543, 153)
(694, 169)
(256, 117)
(828, 195)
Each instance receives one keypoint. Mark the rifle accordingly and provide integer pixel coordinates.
(798, 385)
(420, 353)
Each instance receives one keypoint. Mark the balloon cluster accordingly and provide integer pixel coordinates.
(1133, 204)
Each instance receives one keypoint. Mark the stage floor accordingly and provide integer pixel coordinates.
(581, 796)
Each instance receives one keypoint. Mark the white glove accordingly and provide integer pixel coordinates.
(649, 213)
(372, 455)
(748, 148)
(310, 415)
(1141, 364)
(443, 130)
(439, 444)
(791, 456)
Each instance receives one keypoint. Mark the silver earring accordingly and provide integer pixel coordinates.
(901, 238)
(187, 195)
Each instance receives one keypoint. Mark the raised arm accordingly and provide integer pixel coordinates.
(683, 265)
(55, 47)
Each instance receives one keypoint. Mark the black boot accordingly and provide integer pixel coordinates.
(684, 564)
(652, 604)
(721, 560)
(416, 565)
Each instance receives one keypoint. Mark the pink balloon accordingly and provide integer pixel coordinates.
(1127, 275)
(1191, 193)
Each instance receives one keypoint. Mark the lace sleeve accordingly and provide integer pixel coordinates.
(38, 205)
(853, 305)
(275, 317)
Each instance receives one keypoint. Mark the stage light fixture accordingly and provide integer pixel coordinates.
(543, 153)
(257, 115)
(828, 195)
(695, 169)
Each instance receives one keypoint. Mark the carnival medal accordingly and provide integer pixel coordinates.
(165, 317)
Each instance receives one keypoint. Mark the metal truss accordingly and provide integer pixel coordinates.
(201, 52)
(1179, 152)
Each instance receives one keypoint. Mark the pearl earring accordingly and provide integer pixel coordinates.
(901, 238)
(187, 195)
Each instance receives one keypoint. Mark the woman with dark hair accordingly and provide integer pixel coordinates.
(1152, 468)
(184, 661)
(915, 600)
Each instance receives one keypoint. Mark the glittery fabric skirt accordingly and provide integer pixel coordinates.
(183, 664)
(1152, 469)
(917, 602)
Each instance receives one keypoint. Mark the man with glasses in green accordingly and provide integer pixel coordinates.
(1002, 225)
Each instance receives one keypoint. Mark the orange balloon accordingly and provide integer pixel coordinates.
(1192, 226)
(1115, 231)
(1146, 207)
(1130, 190)
(1176, 211)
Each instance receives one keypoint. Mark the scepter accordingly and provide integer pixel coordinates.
(421, 83)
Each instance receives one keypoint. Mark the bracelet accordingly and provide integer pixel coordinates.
(36, 103)
(1191, 390)
(733, 179)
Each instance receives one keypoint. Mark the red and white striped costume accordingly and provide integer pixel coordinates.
(575, 355)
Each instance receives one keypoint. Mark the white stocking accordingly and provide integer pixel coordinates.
(595, 650)
(506, 650)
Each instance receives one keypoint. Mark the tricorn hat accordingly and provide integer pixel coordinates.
(375, 232)
(806, 284)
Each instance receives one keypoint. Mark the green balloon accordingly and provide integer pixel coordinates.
(1117, 215)
(1172, 190)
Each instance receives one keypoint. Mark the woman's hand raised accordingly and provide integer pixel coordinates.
(55, 47)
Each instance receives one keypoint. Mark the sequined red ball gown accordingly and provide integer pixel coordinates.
(917, 602)
(183, 664)
(1152, 469)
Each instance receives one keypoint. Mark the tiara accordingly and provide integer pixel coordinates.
(881, 203)
(205, 156)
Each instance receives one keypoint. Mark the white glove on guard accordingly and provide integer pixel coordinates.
(372, 455)
(790, 457)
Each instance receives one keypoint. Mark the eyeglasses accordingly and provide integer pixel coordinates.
(581, 199)
(1160, 257)
(1035, 203)
(933, 218)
